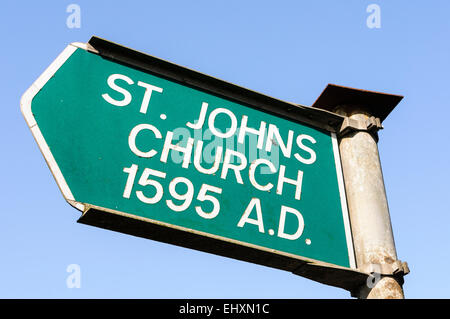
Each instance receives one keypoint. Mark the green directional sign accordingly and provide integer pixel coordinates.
(152, 149)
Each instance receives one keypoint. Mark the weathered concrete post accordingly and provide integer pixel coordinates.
(366, 197)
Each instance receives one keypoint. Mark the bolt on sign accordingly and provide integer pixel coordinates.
(149, 148)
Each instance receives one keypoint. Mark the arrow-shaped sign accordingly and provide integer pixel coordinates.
(149, 148)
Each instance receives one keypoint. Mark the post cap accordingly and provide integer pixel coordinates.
(375, 103)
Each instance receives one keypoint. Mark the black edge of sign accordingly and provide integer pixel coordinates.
(321, 119)
(341, 277)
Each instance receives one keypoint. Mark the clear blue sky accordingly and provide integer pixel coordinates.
(287, 49)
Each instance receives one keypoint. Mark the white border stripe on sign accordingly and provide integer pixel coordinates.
(25, 106)
(348, 231)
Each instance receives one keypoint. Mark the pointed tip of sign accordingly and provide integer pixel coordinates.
(25, 105)
(26, 109)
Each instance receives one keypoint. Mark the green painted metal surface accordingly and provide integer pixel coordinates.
(101, 135)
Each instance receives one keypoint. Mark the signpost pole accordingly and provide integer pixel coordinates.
(368, 208)
(369, 213)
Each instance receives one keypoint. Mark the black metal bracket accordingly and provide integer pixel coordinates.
(394, 269)
(372, 125)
